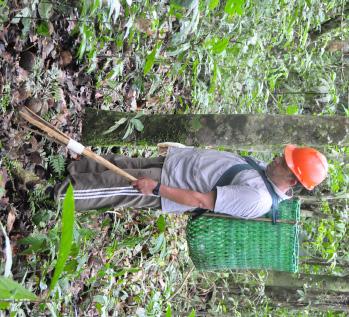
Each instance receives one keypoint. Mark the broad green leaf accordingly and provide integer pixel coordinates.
(137, 124)
(138, 115)
(96, 4)
(67, 234)
(168, 311)
(159, 243)
(213, 4)
(115, 126)
(4, 305)
(292, 109)
(10, 289)
(220, 45)
(234, 6)
(149, 62)
(45, 9)
(161, 223)
(128, 132)
(192, 314)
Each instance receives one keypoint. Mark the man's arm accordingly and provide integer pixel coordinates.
(180, 196)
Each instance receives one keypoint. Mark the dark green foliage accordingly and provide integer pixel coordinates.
(57, 163)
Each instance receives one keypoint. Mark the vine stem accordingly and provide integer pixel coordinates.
(182, 284)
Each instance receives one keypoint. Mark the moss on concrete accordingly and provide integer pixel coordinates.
(248, 131)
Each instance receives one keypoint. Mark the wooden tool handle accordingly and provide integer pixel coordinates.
(64, 139)
(108, 165)
(50, 132)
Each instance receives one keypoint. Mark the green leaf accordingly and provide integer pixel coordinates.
(178, 49)
(36, 240)
(159, 243)
(67, 234)
(149, 62)
(138, 124)
(168, 311)
(45, 9)
(192, 314)
(83, 43)
(292, 109)
(130, 242)
(234, 6)
(57, 163)
(220, 45)
(23, 13)
(4, 305)
(213, 4)
(129, 130)
(115, 126)
(115, 8)
(10, 289)
(161, 223)
(43, 29)
(138, 115)
(123, 271)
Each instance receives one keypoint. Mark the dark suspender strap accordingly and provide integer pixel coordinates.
(274, 196)
(226, 179)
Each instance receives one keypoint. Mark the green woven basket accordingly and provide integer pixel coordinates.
(217, 243)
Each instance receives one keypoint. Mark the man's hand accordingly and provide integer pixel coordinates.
(181, 196)
(145, 185)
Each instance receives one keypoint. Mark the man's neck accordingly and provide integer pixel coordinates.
(284, 188)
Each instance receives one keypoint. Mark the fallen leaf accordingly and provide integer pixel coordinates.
(144, 25)
(48, 47)
(11, 218)
(65, 58)
(335, 46)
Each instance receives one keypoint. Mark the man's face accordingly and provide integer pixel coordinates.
(279, 169)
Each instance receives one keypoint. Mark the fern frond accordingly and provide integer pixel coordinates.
(57, 162)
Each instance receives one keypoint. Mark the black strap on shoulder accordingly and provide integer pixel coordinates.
(274, 196)
(228, 177)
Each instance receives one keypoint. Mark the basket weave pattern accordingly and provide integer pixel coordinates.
(227, 243)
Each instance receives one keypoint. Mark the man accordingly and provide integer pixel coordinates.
(186, 178)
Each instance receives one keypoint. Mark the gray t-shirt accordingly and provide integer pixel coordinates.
(199, 170)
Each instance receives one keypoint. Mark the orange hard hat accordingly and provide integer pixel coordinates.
(307, 164)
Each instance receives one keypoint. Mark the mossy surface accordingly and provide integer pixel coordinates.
(218, 130)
